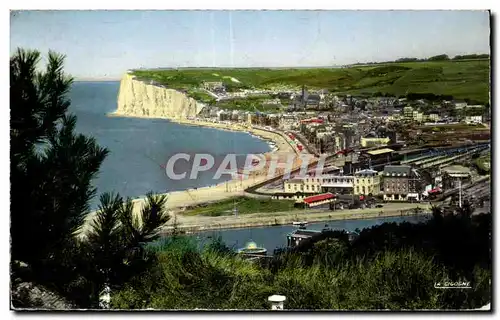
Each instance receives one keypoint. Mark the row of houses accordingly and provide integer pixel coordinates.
(394, 183)
(362, 182)
(411, 114)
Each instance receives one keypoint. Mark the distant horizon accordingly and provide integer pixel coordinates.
(102, 44)
(89, 79)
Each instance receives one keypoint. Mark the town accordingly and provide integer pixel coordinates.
(378, 149)
(299, 160)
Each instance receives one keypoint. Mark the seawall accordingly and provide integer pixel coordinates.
(286, 218)
(138, 98)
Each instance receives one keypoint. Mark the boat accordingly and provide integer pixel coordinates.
(299, 223)
(295, 237)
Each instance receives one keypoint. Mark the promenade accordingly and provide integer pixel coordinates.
(191, 224)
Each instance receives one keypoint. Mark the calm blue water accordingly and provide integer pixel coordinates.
(139, 146)
(275, 237)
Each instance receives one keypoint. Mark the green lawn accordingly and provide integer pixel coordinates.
(468, 79)
(245, 205)
(201, 96)
(484, 163)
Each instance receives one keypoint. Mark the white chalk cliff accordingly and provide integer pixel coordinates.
(142, 99)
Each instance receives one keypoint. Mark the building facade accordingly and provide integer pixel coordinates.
(366, 182)
(401, 183)
(338, 184)
(408, 112)
(214, 86)
(474, 119)
(434, 117)
(325, 183)
(305, 186)
(374, 142)
(453, 176)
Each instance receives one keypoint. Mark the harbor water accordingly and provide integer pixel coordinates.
(275, 236)
(139, 147)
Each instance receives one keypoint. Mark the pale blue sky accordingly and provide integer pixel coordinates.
(104, 44)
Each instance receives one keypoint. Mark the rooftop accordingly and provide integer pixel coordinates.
(319, 197)
(300, 233)
(397, 170)
(365, 172)
(380, 151)
(372, 136)
(456, 169)
(294, 180)
(313, 97)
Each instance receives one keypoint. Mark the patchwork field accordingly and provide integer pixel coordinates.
(461, 79)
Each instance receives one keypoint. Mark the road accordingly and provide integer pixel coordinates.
(212, 94)
(309, 146)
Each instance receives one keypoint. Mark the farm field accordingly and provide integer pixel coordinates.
(461, 79)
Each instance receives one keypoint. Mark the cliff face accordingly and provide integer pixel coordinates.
(140, 99)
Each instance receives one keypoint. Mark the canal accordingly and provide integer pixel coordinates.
(275, 237)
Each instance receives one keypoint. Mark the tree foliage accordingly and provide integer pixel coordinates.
(441, 57)
(389, 266)
(471, 56)
(52, 168)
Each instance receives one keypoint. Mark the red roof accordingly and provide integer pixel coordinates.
(345, 151)
(435, 190)
(319, 197)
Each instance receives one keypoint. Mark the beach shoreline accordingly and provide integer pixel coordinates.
(281, 143)
(235, 185)
(220, 191)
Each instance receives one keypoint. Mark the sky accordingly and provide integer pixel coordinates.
(105, 44)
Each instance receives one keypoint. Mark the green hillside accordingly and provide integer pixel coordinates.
(460, 79)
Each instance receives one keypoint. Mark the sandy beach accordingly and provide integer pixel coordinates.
(223, 190)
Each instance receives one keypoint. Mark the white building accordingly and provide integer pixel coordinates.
(318, 184)
(434, 117)
(474, 119)
(338, 184)
(307, 185)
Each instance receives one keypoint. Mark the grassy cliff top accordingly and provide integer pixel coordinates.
(460, 79)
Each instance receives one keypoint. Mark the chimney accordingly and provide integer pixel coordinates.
(277, 302)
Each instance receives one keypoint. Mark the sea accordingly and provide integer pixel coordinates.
(139, 148)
